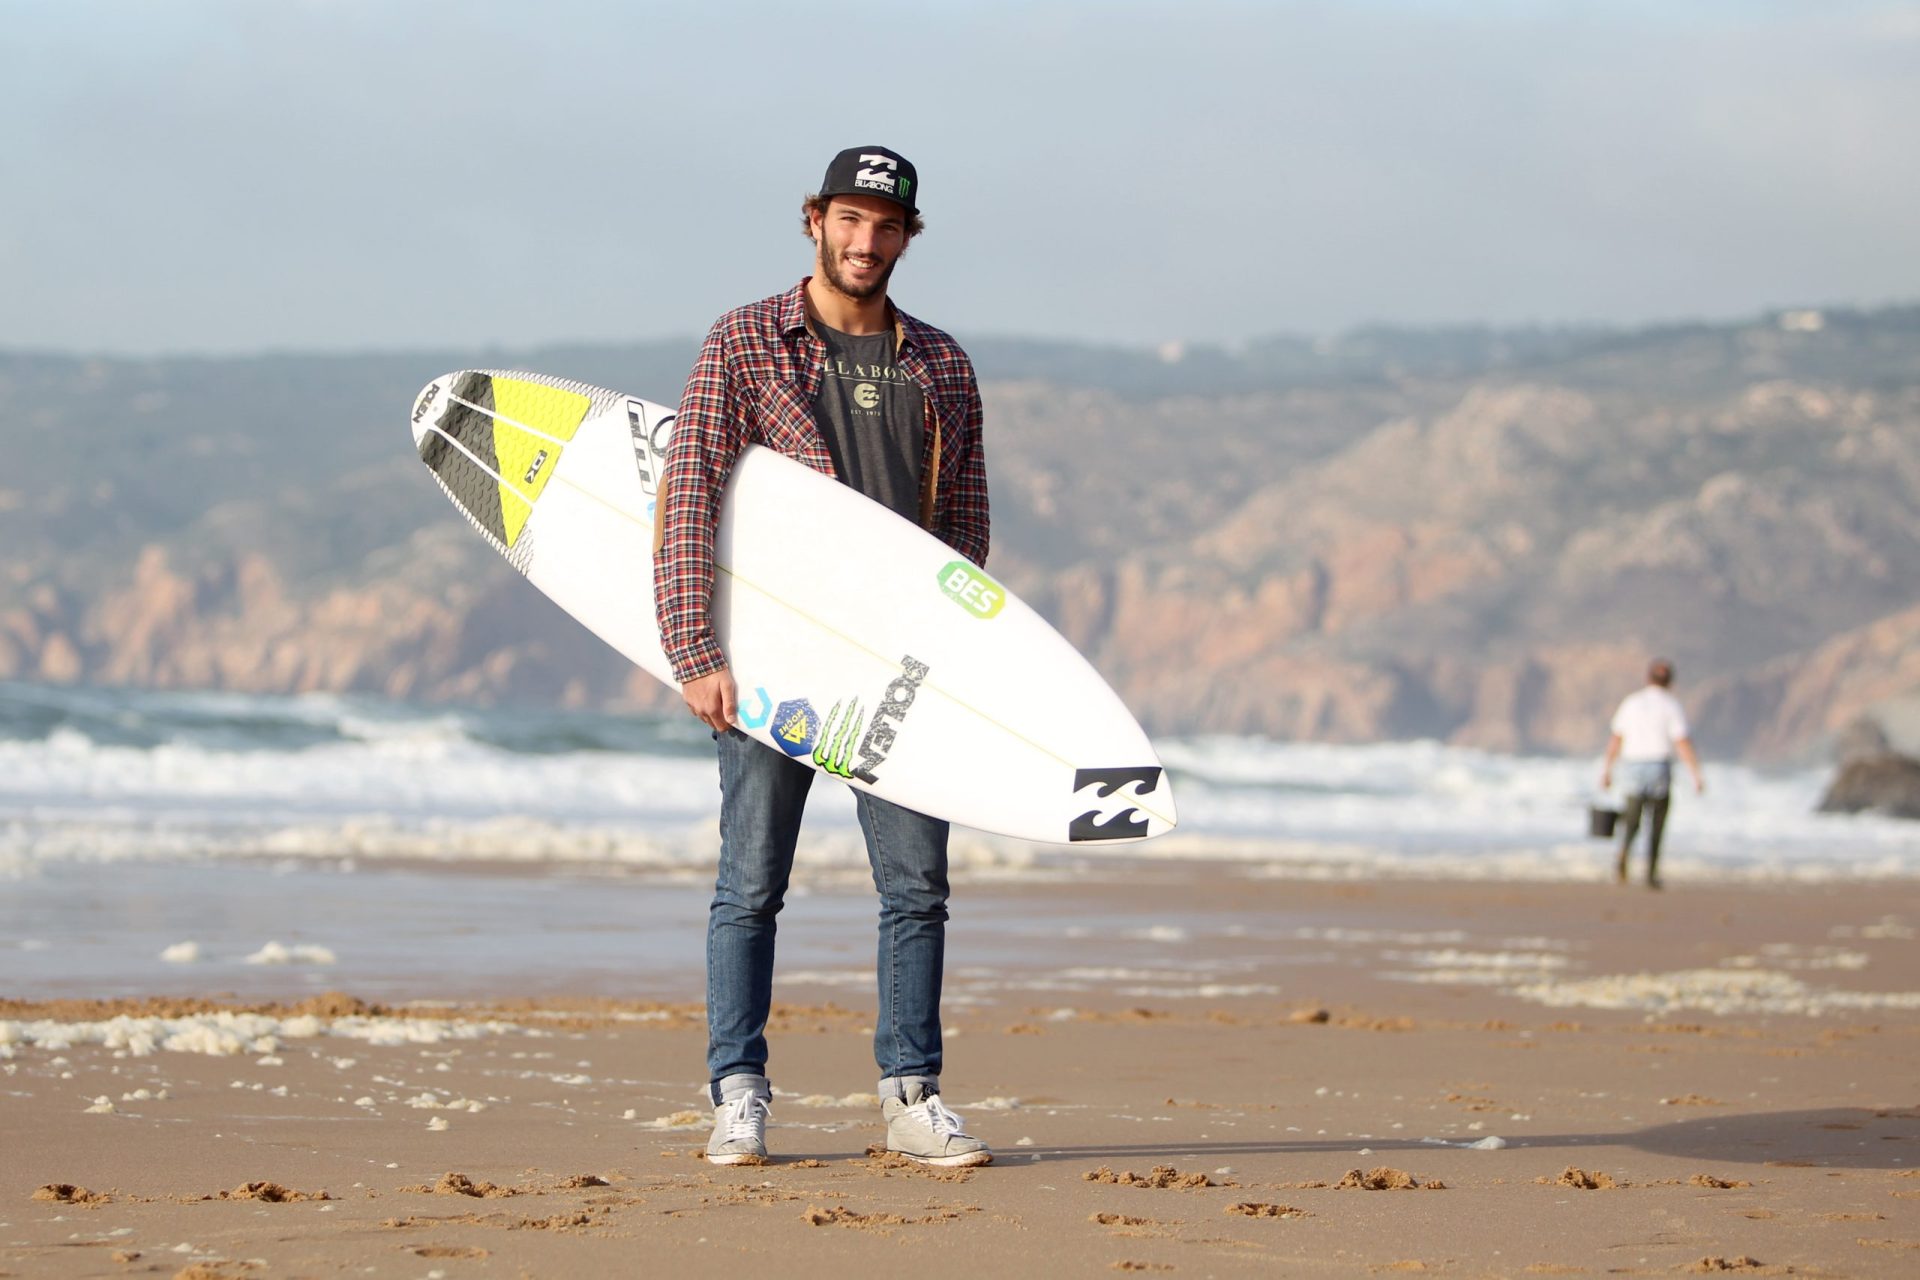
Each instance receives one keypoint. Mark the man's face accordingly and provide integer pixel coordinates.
(859, 239)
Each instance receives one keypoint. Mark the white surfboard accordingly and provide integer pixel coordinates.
(861, 644)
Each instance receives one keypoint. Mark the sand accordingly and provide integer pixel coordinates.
(1471, 1080)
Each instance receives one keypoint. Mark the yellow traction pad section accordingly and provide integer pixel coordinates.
(528, 456)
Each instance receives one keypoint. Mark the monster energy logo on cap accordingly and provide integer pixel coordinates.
(873, 171)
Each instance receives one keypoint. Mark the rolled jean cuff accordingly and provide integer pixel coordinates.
(899, 1086)
(733, 1086)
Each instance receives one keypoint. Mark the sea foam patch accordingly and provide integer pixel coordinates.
(300, 953)
(1723, 991)
(1451, 966)
(225, 1034)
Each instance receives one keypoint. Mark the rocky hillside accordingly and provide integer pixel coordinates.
(1469, 535)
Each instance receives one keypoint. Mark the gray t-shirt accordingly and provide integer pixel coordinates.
(873, 418)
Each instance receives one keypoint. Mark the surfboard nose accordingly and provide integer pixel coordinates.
(1166, 814)
(1158, 807)
(428, 405)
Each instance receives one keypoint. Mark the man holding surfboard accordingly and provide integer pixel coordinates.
(831, 374)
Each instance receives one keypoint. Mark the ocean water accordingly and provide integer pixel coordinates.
(91, 776)
(183, 843)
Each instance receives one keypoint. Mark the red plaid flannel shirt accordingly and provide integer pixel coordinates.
(755, 383)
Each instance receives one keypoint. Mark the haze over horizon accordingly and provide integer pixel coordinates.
(219, 177)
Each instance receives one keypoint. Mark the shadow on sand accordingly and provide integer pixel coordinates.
(1834, 1138)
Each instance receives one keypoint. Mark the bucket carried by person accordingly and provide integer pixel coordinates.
(1600, 819)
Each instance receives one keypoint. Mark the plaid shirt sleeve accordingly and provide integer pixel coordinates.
(960, 515)
(708, 437)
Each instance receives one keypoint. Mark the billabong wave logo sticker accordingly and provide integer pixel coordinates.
(758, 716)
(972, 589)
(795, 726)
(1119, 820)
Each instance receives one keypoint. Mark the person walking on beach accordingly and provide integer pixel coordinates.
(832, 374)
(1649, 729)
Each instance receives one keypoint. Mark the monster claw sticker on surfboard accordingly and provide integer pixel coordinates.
(993, 721)
(833, 752)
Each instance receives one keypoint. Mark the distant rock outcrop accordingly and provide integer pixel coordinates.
(1886, 783)
(1862, 739)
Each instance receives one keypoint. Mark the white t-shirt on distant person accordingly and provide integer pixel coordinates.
(1649, 722)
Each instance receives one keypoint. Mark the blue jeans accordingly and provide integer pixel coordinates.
(1652, 779)
(762, 795)
(1647, 786)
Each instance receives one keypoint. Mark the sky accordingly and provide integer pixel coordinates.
(233, 176)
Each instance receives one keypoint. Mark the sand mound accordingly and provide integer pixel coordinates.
(338, 1004)
(270, 1192)
(459, 1184)
(1385, 1179)
(1160, 1176)
(841, 1216)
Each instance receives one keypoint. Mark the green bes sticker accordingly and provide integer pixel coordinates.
(972, 589)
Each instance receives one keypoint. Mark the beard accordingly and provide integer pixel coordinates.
(833, 264)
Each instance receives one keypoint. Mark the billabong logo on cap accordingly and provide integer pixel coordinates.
(873, 177)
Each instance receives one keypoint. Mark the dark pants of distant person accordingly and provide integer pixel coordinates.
(1648, 786)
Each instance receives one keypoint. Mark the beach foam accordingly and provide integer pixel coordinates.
(102, 775)
(226, 1034)
(1722, 991)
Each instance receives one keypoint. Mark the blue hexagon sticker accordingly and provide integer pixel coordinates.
(795, 725)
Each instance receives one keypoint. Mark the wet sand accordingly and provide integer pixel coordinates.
(1193, 1070)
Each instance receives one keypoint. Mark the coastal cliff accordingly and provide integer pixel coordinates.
(1387, 539)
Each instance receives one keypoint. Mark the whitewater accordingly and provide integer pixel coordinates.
(96, 775)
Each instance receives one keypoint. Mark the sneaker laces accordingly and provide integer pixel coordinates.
(934, 1114)
(746, 1117)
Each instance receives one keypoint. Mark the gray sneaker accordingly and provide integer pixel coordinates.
(923, 1129)
(739, 1130)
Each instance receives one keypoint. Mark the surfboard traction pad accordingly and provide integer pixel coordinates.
(517, 426)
